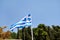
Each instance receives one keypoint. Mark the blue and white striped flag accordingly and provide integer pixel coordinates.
(26, 21)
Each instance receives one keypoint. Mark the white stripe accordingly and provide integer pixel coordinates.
(17, 26)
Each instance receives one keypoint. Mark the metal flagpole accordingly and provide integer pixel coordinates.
(31, 30)
(32, 33)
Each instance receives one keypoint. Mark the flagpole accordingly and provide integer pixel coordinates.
(31, 29)
(32, 33)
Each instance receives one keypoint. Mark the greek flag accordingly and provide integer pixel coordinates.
(26, 21)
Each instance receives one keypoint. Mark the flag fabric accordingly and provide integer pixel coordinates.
(29, 20)
(26, 21)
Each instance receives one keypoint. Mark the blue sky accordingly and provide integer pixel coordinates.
(43, 11)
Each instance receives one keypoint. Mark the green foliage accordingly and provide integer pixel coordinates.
(42, 32)
(13, 35)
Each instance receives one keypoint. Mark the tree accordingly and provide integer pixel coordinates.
(13, 35)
